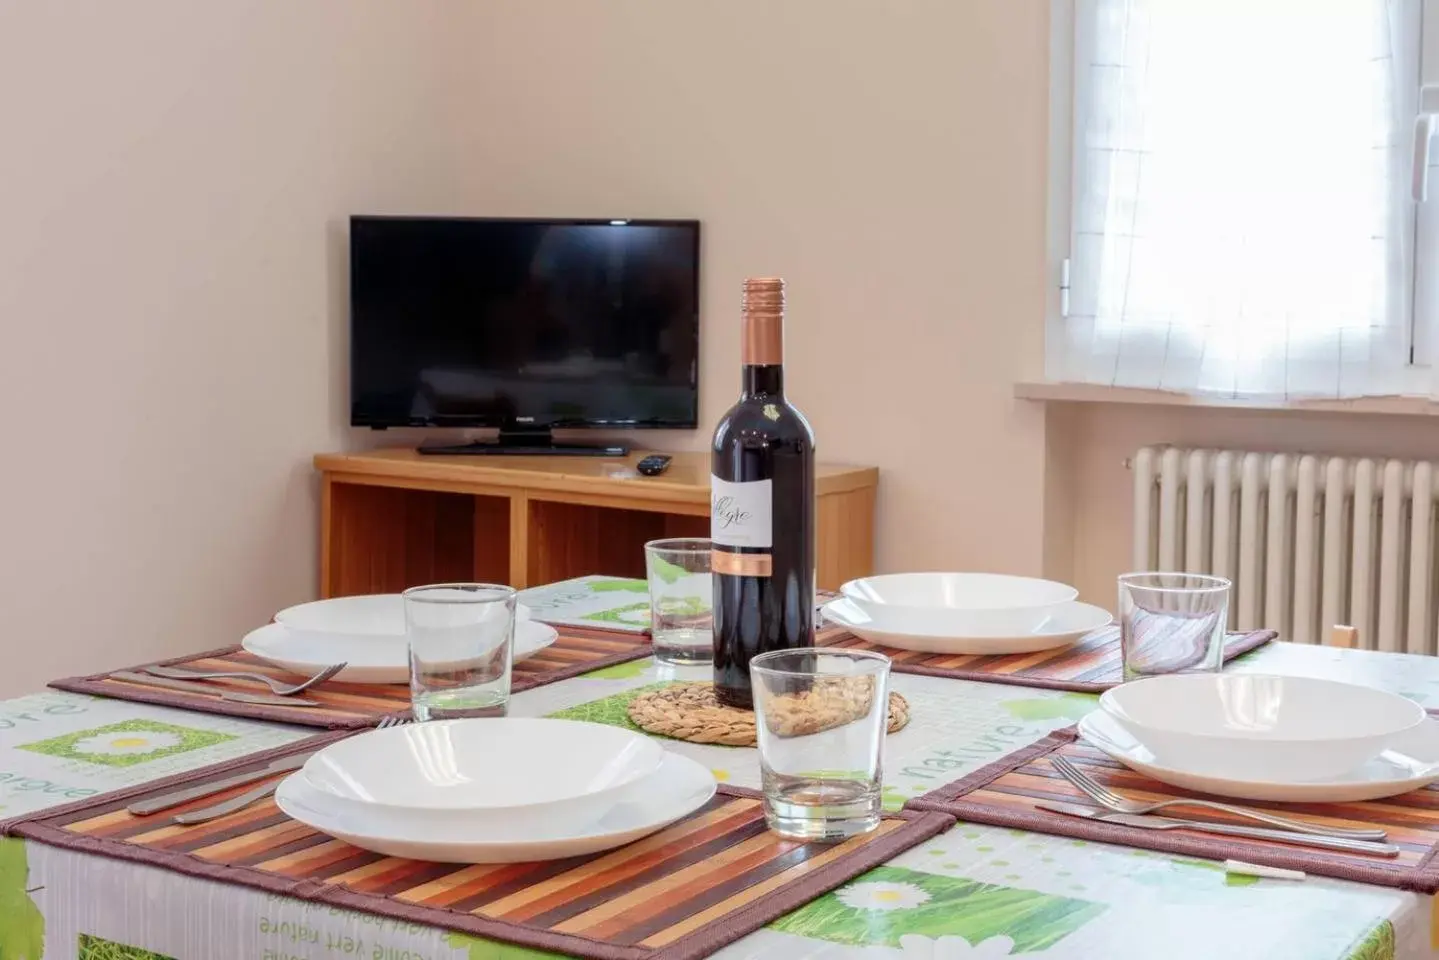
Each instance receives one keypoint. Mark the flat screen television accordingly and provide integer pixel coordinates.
(524, 325)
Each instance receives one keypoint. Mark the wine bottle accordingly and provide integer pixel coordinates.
(762, 507)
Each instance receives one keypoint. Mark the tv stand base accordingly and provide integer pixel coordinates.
(539, 443)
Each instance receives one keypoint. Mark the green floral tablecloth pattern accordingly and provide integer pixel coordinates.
(127, 743)
(891, 903)
(98, 948)
(614, 603)
(22, 926)
(58, 747)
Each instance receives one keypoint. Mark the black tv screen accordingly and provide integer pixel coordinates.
(523, 323)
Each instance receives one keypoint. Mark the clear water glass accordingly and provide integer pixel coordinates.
(1172, 623)
(821, 718)
(681, 600)
(461, 638)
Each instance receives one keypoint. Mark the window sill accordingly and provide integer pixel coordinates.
(1096, 393)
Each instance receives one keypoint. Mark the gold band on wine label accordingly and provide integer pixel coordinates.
(741, 564)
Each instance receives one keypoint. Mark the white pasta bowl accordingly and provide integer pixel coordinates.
(379, 660)
(1247, 726)
(499, 770)
(679, 787)
(374, 616)
(961, 604)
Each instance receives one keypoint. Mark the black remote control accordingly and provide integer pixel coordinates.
(653, 465)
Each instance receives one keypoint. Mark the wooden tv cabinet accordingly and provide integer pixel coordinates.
(390, 519)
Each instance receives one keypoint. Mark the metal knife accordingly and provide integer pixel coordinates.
(225, 807)
(191, 686)
(1151, 822)
(164, 802)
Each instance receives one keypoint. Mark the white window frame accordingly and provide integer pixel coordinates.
(1424, 329)
(1426, 228)
(1061, 172)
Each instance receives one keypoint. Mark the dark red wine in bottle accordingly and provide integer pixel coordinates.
(762, 507)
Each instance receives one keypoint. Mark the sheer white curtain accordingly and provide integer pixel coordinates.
(1241, 220)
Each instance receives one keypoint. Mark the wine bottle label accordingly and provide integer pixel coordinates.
(740, 513)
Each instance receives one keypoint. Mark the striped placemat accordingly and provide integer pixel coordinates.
(681, 893)
(1090, 666)
(1005, 793)
(353, 705)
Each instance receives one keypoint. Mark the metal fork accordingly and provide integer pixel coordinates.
(241, 801)
(277, 687)
(1150, 822)
(1110, 800)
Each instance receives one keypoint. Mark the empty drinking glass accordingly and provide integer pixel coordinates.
(461, 638)
(681, 608)
(821, 717)
(1172, 623)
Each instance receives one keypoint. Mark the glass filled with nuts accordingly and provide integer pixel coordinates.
(821, 717)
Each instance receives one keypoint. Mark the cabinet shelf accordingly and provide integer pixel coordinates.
(391, 519)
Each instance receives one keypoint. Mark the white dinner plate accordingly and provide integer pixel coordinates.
(1410, 763)
(494, 766)
(678, 788)
(370, 661)
(374, 616)
(1065, 627)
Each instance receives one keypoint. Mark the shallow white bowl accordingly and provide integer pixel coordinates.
(378, 660)
(975, 604)
(1256, 727)
(1411, 761)
(499, 767)
(678, 788)
(930, 632)
(375, 616)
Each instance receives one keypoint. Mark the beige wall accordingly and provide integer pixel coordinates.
(172, 179)
(886, 158)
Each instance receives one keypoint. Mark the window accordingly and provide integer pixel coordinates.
(1241, 216)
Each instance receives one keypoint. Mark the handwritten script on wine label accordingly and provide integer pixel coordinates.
(728, 513)
(741, 513)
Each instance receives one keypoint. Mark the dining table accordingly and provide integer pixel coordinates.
(971, 891)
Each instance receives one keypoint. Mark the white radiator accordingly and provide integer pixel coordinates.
(1308, 541)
